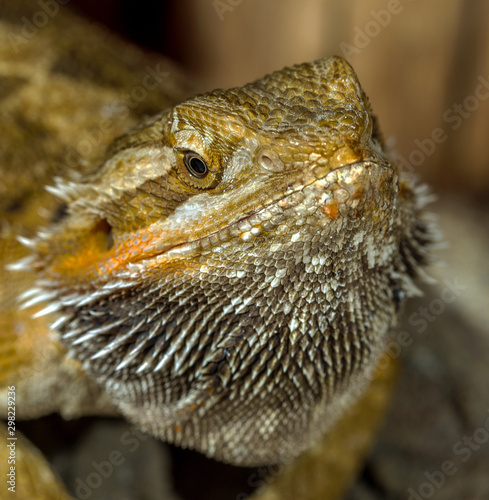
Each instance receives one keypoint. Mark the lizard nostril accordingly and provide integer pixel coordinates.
(269, 160)
(266, 162)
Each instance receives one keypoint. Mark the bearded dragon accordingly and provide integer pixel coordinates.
(226, 274)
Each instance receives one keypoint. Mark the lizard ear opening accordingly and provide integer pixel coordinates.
(102, 233)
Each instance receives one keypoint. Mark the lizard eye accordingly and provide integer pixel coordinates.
(195, 165)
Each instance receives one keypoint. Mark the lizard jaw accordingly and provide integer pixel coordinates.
(334, 191)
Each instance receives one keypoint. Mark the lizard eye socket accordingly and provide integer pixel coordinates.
(195, 165)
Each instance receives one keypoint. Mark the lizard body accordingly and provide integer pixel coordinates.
(229, 273)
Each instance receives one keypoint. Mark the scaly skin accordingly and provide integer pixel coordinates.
(230, 272)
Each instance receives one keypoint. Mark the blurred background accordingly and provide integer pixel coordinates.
(425, 68)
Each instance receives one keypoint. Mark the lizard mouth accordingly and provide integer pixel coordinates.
(96, 258)
(334, 187)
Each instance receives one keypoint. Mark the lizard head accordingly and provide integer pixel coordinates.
(199, 172)
(237, 259)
